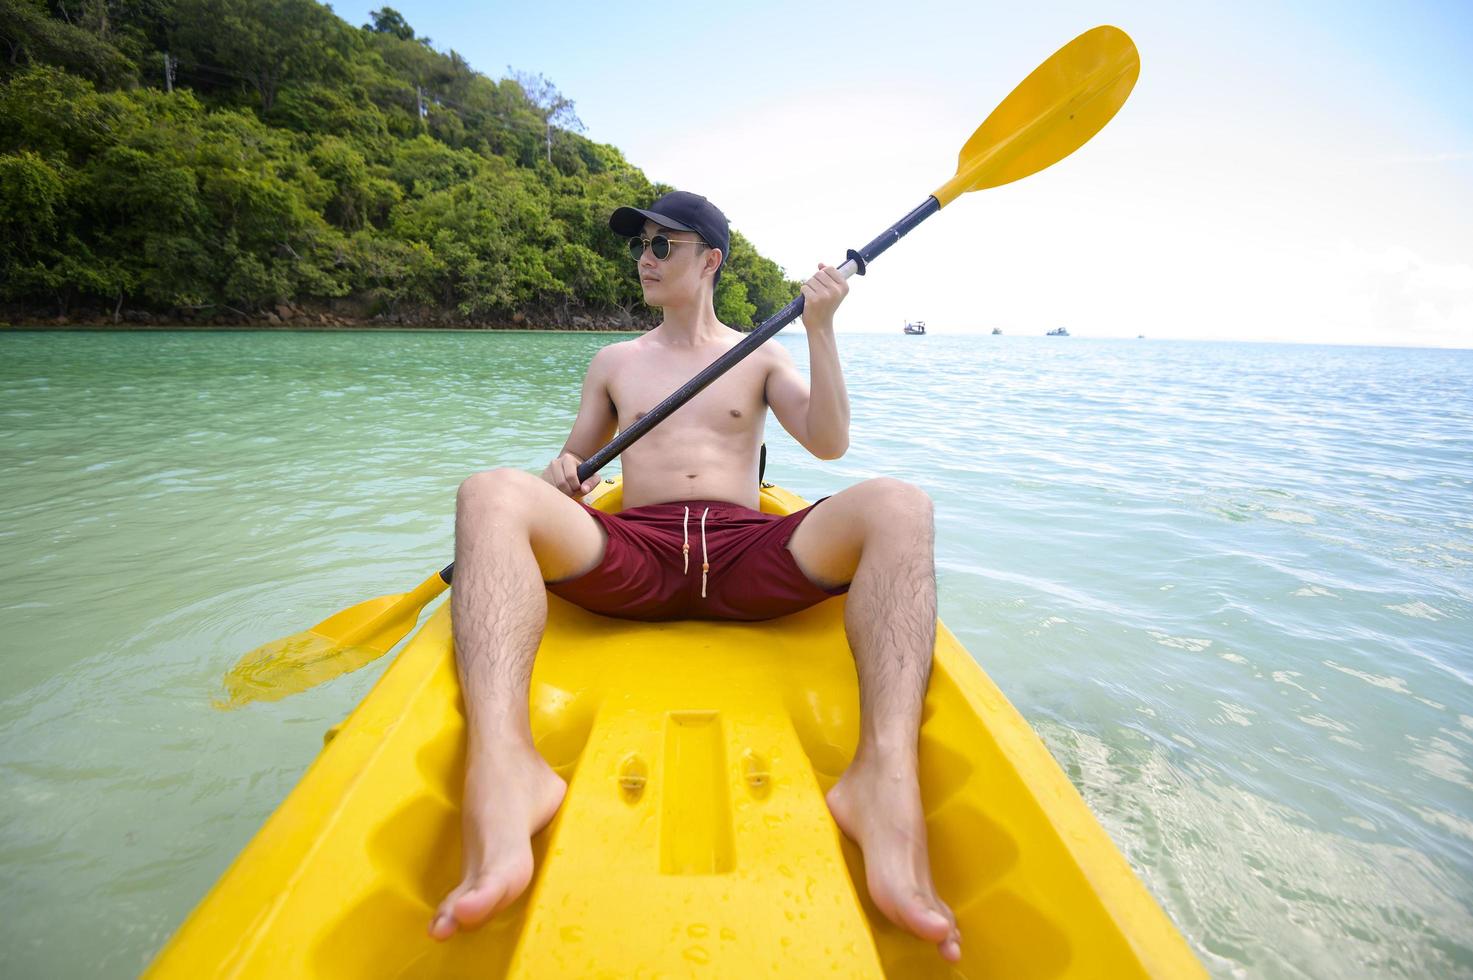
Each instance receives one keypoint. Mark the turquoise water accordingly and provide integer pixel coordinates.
(1230, 585)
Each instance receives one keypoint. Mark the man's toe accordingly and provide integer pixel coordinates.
(478, 903)
(926, 921)
(442, 926)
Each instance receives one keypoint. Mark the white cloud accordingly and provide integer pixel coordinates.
(1394, 288)
(1454, 156)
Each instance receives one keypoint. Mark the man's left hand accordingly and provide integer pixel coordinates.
(821, 297)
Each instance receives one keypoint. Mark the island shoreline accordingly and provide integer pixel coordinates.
(323, 317)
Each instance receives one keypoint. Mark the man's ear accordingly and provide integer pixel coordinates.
(719, 256)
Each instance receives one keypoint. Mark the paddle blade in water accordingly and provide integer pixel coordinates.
(338, 645)
(1052, 112)
(290, 666)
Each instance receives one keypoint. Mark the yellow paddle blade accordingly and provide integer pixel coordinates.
(1052, 112)
(338, 645)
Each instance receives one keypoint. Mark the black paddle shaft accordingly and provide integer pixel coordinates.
(749, 343)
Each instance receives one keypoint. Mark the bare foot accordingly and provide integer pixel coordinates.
(877, 804)
(508, 798)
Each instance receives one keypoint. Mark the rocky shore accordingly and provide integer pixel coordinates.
(323, 315)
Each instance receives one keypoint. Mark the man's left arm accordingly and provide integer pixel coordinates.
(816, 416)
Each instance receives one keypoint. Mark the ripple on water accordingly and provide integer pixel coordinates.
(1418, 610)
(1303, 900)
(1439, 758)
(1290, 516)
(1396, 684)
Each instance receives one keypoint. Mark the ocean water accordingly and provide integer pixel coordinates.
(1230, 585)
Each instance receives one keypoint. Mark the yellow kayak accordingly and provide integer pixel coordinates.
(694, 839)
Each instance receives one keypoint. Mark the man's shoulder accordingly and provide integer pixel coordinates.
(618, 346)
(609, 355)
(776, 352)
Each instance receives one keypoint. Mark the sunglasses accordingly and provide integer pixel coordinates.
(660, 245)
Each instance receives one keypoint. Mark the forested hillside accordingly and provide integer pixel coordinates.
(252, 160)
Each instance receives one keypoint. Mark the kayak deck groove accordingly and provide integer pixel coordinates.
(694, 839)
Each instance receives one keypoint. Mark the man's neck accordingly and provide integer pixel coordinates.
(691, 324)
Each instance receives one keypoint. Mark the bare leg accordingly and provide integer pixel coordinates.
(879, 537)
(512, 532)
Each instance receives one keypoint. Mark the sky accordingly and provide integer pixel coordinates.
(1282, 172)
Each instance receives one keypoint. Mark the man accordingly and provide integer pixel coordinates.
(690, 543)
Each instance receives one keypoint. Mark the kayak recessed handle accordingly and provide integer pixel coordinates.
(633, 774)
(757, 774)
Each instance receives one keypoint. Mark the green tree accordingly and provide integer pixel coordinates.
(51, 112)
(731, 303)
(361, 194)
(389, 271)
(390, 21)
(267, 42)
(554, 108)
(767, 289)
(494, 237)
(29, 37)
(32, 192)
(32, 211)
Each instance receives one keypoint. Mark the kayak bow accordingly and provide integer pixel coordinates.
(694, 838)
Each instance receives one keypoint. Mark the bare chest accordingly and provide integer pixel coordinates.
(733, 403)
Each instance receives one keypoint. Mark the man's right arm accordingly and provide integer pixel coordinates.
(595, 426)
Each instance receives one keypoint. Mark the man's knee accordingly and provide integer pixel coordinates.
(896, 503)
(501, 488)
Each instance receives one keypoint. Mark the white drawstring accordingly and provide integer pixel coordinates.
(685, 547)
(705, 565)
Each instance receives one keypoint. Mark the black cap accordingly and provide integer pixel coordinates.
(680, 211)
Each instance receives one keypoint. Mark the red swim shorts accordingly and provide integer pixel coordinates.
(647, 573)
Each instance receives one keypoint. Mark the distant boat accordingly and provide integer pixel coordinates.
(997, 331)
(917, 329)
(1140, 336)
(1060, 332)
